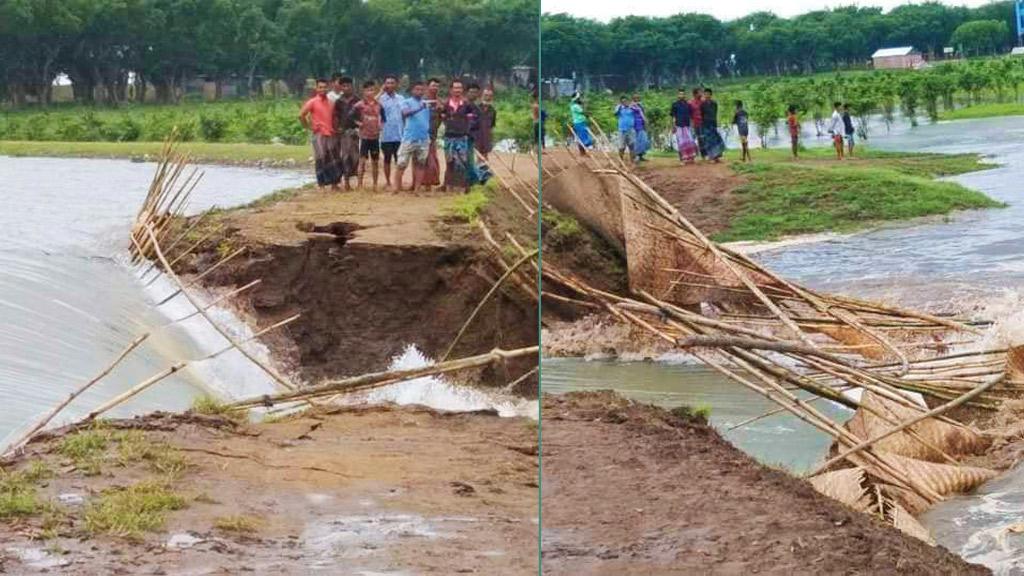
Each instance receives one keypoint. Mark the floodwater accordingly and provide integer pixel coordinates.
(970, 260)
(779, 440)
(69, 303)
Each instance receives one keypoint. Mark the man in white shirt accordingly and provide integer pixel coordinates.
(836, 129)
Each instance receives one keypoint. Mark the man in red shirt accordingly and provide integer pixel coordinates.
(317, 115)
(698, 121)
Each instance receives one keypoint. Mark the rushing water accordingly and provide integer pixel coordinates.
(69, 303)
(969, 258)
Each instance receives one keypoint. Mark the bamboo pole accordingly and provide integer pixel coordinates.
(174, 277)
(389, 377)
(484, 301)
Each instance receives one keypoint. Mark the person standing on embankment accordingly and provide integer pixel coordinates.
(457, 117)
(483, 139)
(836, 129)
(317, 115)
(697, 120)
(368, 116)
(848, 129)
(681, 117)
(415, 136)
(627, 128)
(714, 146)
(432, 174)
(391, 130)
(348, 134)
(643, 141)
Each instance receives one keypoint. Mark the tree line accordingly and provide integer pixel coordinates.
(653, 51)
(108, 44)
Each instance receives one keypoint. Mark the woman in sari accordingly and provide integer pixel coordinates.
(643, 140)
(580, 124)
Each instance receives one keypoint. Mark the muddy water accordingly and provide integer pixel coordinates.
(69, 303)
(969, 260)
(779, 440)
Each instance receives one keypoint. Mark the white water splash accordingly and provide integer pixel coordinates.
(435, 392)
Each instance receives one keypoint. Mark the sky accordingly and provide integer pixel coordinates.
(721, 9)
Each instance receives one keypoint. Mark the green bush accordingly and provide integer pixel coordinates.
(212, 128)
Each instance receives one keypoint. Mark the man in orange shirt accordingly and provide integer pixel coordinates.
(317, 114)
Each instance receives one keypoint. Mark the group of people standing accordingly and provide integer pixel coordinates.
(695, 125)
(351, 133)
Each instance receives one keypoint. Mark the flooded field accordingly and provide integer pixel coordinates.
(69, 303)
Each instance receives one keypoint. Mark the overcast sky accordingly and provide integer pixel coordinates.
(721, 9)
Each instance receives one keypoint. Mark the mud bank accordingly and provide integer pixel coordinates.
(370, 273)
(382, 489)
(633, 489)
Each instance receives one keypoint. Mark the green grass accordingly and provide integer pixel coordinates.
(693, 414)
(467, 207)
(217, 153)
(560, 229)
(18, 495)
(785, 198)
(86, 449)
(988, 110)
(134, 446)
(130, 511)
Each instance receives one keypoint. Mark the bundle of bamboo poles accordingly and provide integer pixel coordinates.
(796, 346)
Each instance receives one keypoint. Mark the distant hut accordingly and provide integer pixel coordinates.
(1018, 51)
(905, 57)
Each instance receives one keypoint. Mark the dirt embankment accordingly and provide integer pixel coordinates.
(634, 489)
(370, 273)
(335, 491)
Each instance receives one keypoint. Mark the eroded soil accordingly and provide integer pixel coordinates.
(379, 490)
(631, 489)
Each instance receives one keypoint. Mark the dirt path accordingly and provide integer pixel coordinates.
(704, 192)
(349, 491)
(630, 489)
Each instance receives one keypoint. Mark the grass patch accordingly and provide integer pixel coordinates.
(786, 198)
(210, 406)
(86, 448)
(208, 152)
(238, 524)
(18, 495)
(984, 111)
(133, 446)
(560, 230)
(128, 512)
(692, 414)
(468, 207)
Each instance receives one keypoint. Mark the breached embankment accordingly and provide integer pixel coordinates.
(370, 274)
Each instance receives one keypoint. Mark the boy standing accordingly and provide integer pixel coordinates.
(743, 128)
(348, 134)
(415, 135)
(317, 115)
(368, 116)
(835, 129)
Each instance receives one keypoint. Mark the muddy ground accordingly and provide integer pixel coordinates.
(378, 490)
(634, 489)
